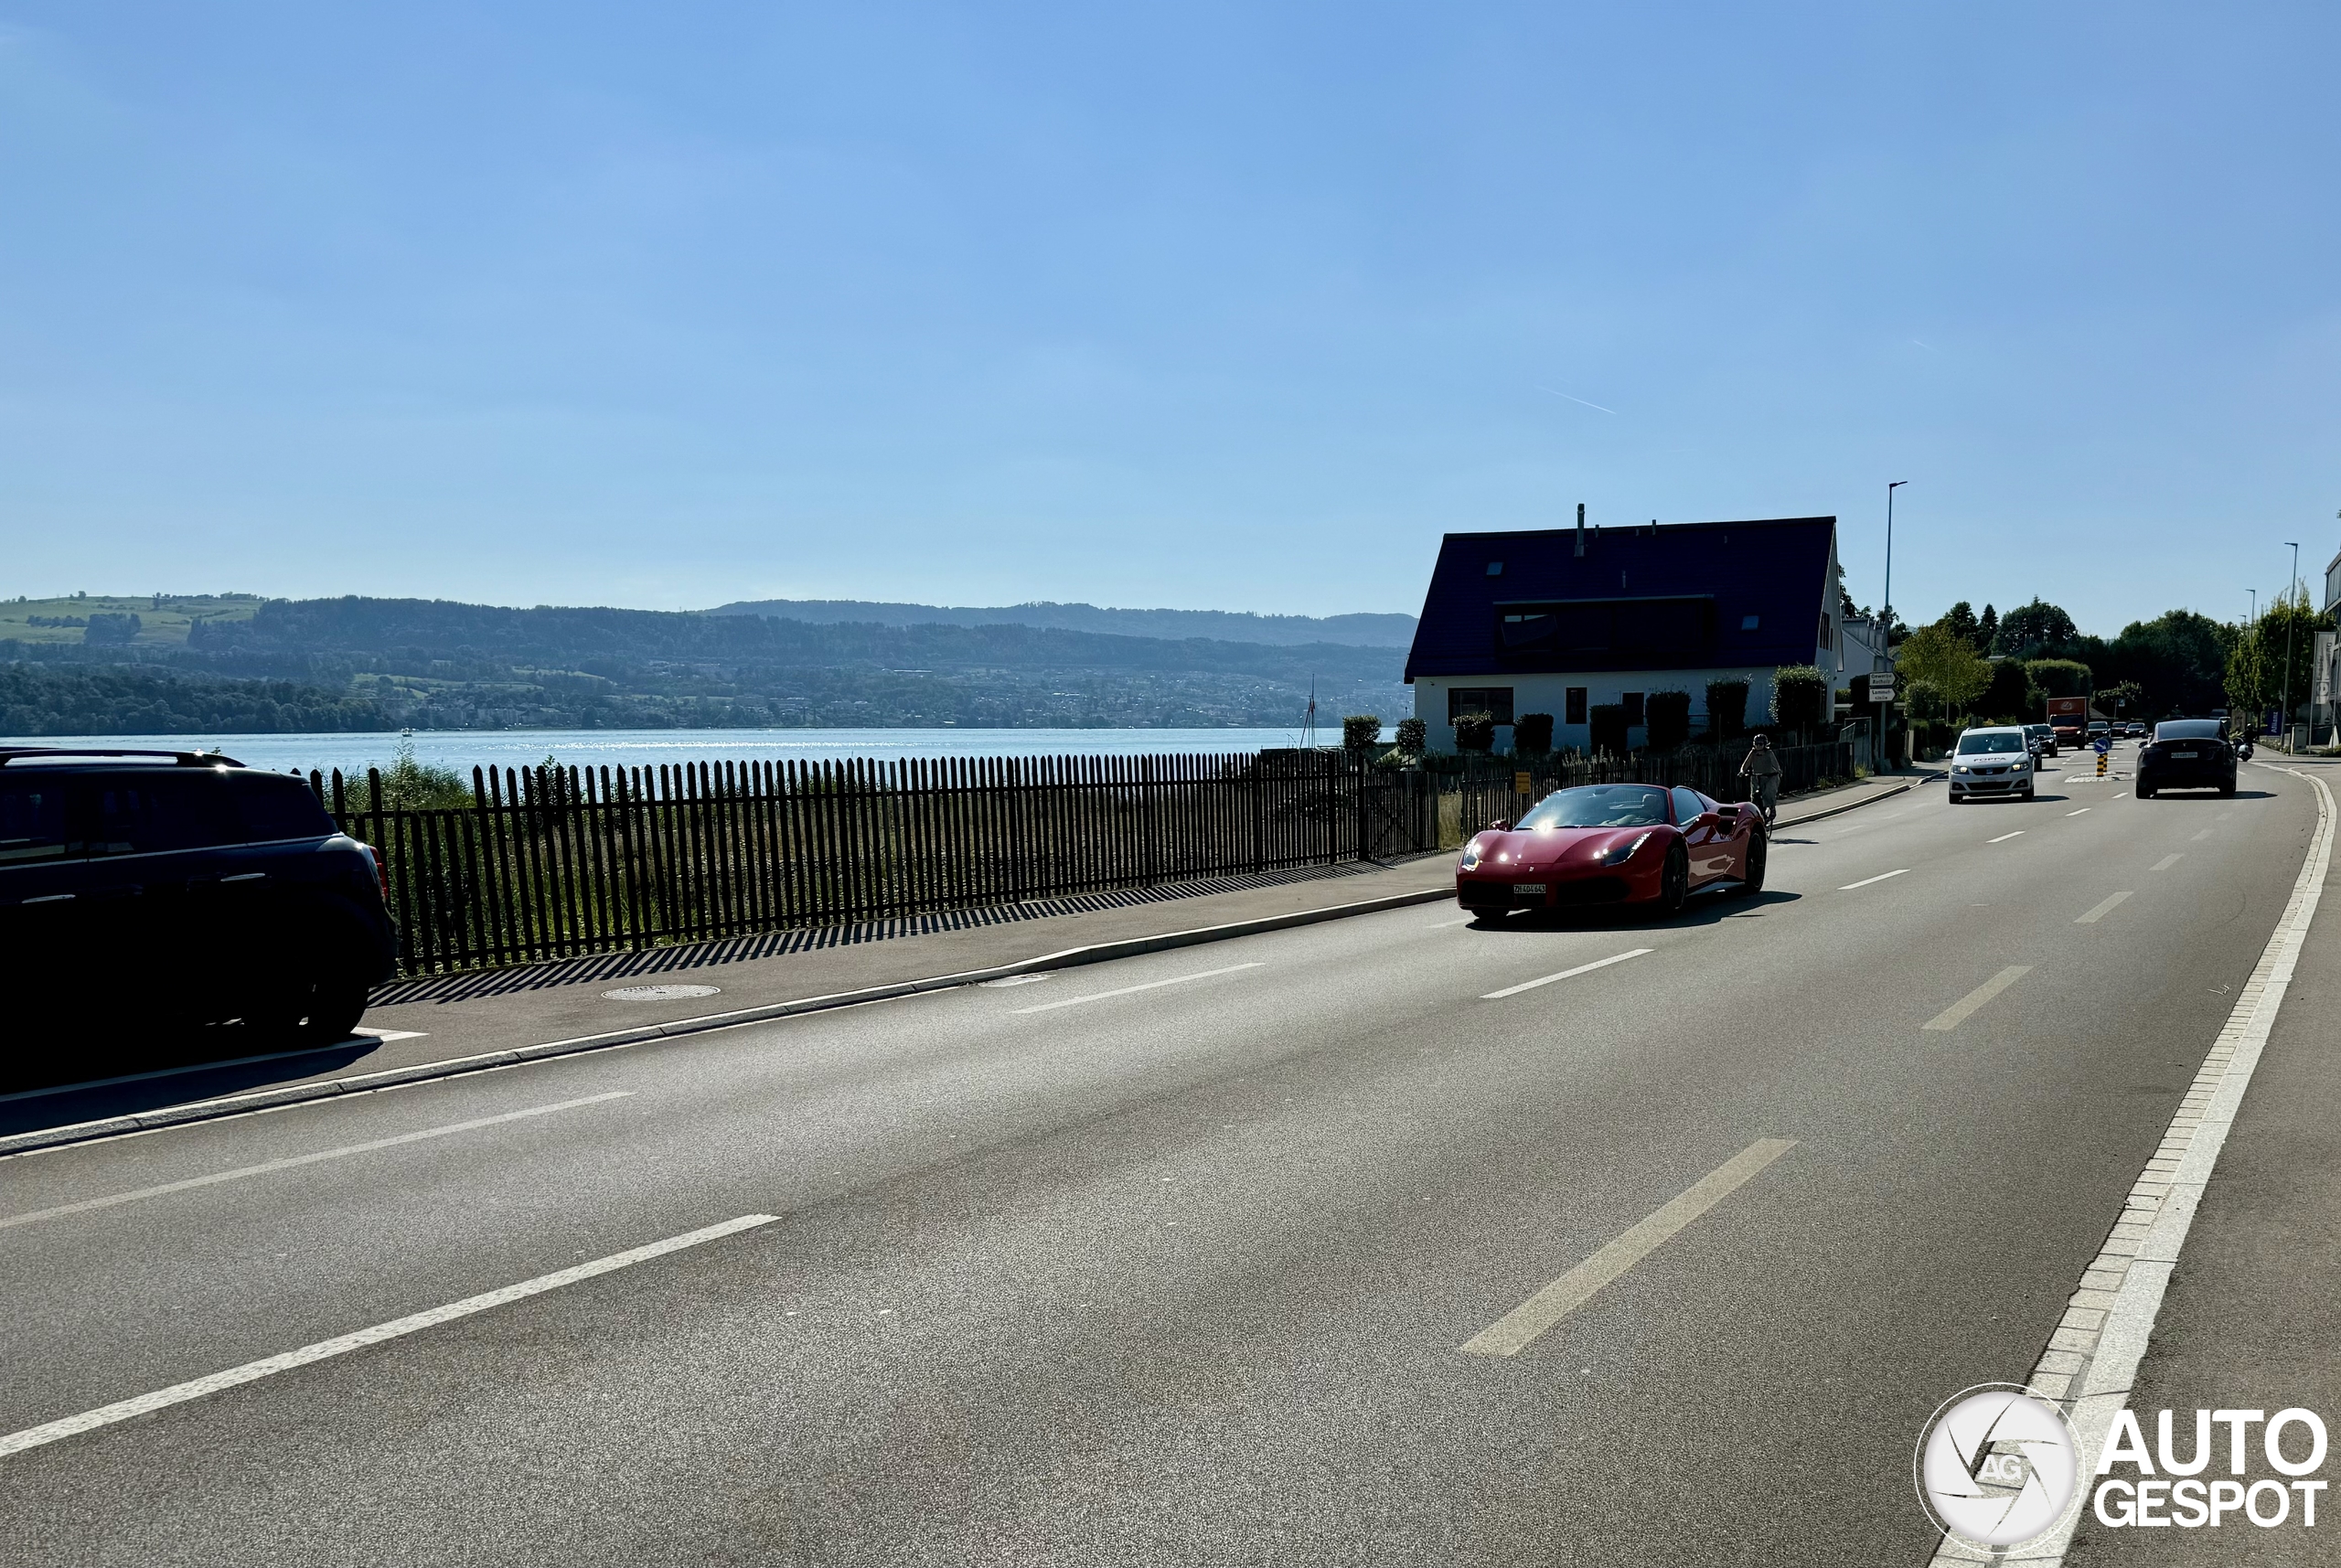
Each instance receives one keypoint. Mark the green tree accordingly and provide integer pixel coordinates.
(2010, 697)
(2060, 677)
(1946, 661)
(1360, 732)
(2030, 627)
(2269, 666)
(1726, 709)
(1531, 734)
(1960, 621)
(1987, 629)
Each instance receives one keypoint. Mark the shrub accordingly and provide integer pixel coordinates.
(1475, 732)
(1531, 734)
(2059, 677)
(1361, 731)
(1667, 715)
(1799, 697)
(1726, 709)
(1607, 722)
(1414, 736)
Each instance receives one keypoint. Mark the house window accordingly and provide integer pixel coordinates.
(1824, 632)
(1633, 704)
(1495, 568)
(1572, 706)
(1749, 623)
(1495, 699)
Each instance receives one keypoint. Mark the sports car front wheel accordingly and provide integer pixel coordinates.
(1673, 880)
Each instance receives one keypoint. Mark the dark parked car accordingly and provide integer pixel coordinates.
(163, 888)
(2186, 753)
(2042, 738)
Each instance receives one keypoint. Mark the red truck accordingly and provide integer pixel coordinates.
(2068, 718)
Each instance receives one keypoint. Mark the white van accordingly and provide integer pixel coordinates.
(1993, 761)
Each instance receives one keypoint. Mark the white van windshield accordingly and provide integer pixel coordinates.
(1990, 740)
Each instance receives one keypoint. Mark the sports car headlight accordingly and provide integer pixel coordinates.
(1619, 854)
(1471, 855)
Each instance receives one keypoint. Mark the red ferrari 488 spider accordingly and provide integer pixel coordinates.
(1622, 843)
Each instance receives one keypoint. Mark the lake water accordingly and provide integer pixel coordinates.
(464, 749)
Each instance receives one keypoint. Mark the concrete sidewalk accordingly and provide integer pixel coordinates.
(414, 1025)
(2251, 1316)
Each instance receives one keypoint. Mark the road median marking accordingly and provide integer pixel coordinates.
(2005, 837)
(2168, 861)
(252, 1372)
(1951, 1017)
(290, 1161)
(2102, 909)
(1564, 975)
(1132, 990)
(1517, 1329)
(1881, 877)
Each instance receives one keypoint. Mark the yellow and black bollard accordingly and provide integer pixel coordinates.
(2100, 764)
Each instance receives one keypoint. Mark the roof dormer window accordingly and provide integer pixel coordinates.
(1495, 568)
(1749, 623)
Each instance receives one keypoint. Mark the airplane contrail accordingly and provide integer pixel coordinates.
(1576, 400)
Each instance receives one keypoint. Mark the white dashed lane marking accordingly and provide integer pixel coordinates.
(2102, 910)
(2168, 861)
(1866, 882)
(1130, 990)
(2005, 837)
(1564, 975)
(1951, 1017)
(1512, 1333)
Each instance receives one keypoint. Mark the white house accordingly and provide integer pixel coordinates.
(1561, 621)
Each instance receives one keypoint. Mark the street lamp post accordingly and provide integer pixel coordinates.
(1885, 624)
(2291, 628)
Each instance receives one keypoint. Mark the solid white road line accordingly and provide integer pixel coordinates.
(2082, 812)
(1512, 1333)
(2166, 862)
(1866, 882)
(1564, 975)
(251, 1372)
(2102, 910)
(1956, 1014)
(2005, 837)
(288, 1163)
(1127, 990)
(2164, 1201)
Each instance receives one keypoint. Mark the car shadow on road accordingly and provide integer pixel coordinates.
(1703, 909)
(2208, 795)
(154, 1070)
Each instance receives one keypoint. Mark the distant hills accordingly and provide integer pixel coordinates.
(437, 663)
(1376, 631)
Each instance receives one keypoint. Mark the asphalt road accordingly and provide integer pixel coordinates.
(1173, 1260)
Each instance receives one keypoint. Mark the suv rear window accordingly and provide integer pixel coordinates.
(32, 820)
(157, 810)
(269, 807)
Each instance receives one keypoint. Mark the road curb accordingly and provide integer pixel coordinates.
(1903, 788)
(485, 1062)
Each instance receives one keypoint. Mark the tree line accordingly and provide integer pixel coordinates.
(2002, 668)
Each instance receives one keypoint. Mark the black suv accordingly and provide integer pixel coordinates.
(170, 887)
(2186, 754)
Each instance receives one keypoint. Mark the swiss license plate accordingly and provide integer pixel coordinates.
(1536, 888)
(2185, 756)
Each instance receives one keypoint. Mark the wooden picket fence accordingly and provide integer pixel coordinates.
(555, 862)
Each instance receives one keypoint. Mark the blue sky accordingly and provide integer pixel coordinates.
(1232, 308)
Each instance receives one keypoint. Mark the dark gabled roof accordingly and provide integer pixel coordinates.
(1674, 596)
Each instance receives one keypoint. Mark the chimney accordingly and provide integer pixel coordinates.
(1581, 527)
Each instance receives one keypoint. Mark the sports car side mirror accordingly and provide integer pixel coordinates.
(1499, 826)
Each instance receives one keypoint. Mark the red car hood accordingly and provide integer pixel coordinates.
(1557, 848)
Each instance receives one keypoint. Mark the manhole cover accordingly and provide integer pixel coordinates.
(1013, 980)
(657, 993)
